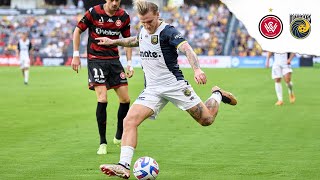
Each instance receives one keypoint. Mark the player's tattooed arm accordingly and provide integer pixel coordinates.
(199, 75)
(125, 42)
(128, 42)
(186, 49)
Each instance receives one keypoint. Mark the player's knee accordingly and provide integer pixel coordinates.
(287, 80)
(102, 99)
(278, 80)
(129, 122)
(207, 121)
(125, 100)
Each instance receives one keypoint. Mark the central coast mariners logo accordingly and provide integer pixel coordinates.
(300, 25)
(154, 39)
(270, 26)
(186, 92)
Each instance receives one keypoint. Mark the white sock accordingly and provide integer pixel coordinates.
(216, 96)
(278, 88)
(126, 156)
(26, 76)
(290, 87)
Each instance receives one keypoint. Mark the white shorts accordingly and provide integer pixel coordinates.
(278, 71)
(24, 63)
(181, 94)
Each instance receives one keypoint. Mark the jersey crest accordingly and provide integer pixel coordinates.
(154, 39)
(187, 92)
(118, 22)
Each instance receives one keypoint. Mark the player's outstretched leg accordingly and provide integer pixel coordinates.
(227, 97)
(115, 170)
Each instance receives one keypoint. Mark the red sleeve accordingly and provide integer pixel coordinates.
(86, 21)
(125, 32)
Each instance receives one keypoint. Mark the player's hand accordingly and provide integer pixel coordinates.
(76, 63)
(267, 64)
(104, 41)
(200, 77)
(289, 63)
(130, 71)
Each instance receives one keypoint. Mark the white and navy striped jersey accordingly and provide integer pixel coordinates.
(158, 53)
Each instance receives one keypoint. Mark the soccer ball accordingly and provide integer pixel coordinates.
(146, 168)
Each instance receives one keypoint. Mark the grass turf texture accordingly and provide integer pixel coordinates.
(49, 131)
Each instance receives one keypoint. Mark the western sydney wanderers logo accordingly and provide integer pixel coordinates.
(270, 26)
(300, 25)
(122, 75)
(118, 22)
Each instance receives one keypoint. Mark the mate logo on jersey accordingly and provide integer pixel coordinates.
(154, 39)
(270, 26)
(149, 54)
(300, 25)
(107, 32)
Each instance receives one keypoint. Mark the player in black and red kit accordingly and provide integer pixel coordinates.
(104, 68)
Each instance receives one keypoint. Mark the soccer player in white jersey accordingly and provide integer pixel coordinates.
(164, 81)
(24, 51)
(282, 68)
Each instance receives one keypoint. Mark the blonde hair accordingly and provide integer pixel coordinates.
(143, 7)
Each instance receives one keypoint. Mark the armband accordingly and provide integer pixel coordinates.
(129, 62)
(76, 54)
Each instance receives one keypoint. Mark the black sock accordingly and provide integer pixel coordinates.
(122, 112)
(101, 114)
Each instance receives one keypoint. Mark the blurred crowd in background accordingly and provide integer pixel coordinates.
(205, 28)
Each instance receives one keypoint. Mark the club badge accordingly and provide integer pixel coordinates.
(300, 25)
(187, 92)
(270, 26)
(154, 39)
(122, 75)
(118, 22)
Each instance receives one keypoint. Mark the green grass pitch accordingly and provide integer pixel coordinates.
(49, 131)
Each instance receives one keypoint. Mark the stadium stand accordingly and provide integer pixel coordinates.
(204, 27)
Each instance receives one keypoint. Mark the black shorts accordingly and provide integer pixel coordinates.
(106, 72)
